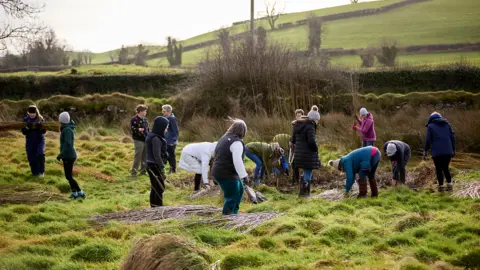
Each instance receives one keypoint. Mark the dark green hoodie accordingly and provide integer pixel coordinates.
(67, 140)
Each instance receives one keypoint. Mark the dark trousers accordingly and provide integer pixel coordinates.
(367, 143)
(233, 194)
(442, 164)
(68, 168)
(172, 159)
(157, 185)
(198, 180)
(362, 182)
(295, 173)
(37, 162)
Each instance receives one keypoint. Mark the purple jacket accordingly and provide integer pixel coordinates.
(367, 128)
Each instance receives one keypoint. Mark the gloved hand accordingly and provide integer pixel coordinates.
(59, 157)
(28, 125)
(246, 181)
(354, 127)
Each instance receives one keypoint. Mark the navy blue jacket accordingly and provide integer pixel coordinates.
(155, 143)
(440, 137)
(34, 135)
(172, 133)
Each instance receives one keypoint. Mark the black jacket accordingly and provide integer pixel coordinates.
(223, 167)
(136, 123)
(156, 143)
(399, 160)
(305, 144)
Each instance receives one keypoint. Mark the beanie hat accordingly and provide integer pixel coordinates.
(391, 149)
(32, 109)
(64, 118)
(334, 163)
(363, 111)
(314, 114)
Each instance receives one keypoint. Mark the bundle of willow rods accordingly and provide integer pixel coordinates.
(9, 126)
(471, 190)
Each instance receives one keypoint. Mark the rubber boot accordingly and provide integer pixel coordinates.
(308, 190)
(304, 187)
(362, 188)
(441, 188)
(449, 187)
(373, 187)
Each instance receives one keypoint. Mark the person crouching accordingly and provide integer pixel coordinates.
(156, 157)
(196, 158)
(228, 168)
(399, 154)
(363, 161)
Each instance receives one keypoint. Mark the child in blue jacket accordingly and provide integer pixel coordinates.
(363, 161)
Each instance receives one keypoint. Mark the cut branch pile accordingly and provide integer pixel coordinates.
(29, 197)
(158, 213)
(206, 193)
(471, 190)
(7, 126)
(335, 194)
(244, 223)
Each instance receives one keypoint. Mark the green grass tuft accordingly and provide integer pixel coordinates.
(67, 240)
(63, 187)
(267, 243)
(400, 240)
(95, 252)
(7, 217)
(218, 238)
(339, 233)
(39, 219)
(426, 255)
(293, 242)
(470, 259)
(284, 228)
(409, 221)
(22, 209)
(253, 258)
(38, 250)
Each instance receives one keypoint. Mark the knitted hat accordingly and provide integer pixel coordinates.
(64, 118)
(334, 163)
(363, 111)
(32, 109)
(314, 114)
(391, 149)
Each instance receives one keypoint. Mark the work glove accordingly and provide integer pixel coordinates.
(29, 125)
(354, 127)
(59, 157)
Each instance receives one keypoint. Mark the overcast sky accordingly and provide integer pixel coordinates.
(101, 25)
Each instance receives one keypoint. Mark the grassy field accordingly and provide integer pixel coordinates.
(101, 70)
(401, 228)
(415, 59)
(452, 22)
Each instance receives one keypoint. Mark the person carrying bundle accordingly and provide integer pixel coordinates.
(196, 158)
(399, 153)
(264, 155)
(35, 140)
(364, 162)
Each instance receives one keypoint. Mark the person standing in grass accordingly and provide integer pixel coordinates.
(228, 168)
(171, 136)
(35, 141)
(367, 127)
(399, 154)
(364, 162)
(264, 155)
(139, 128)
(68, 154)
(441, 139)
(157, 156)
(306, 148)
(296, 171)
(196, 158)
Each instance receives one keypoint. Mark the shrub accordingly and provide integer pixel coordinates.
(95, 252)
(67, 240)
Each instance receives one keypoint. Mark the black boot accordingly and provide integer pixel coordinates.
(304, 189)
(307, 190)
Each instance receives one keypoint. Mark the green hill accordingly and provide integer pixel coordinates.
(432, 22)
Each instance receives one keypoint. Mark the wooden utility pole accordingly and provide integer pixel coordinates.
(252, 11)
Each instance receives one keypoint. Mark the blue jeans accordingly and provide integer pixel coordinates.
(307, 175)
(259, 171)
(367, 143)
(233, 194)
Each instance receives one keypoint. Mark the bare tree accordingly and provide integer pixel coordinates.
(316, 30)
(112, 56)
(272, 14)
(388, 53)
(353, 1)
(223, 36)
(10, 28)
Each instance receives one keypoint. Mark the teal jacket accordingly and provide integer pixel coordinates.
(357, 161)
(67, 141)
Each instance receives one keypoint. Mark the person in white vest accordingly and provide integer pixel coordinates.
(196, 158)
